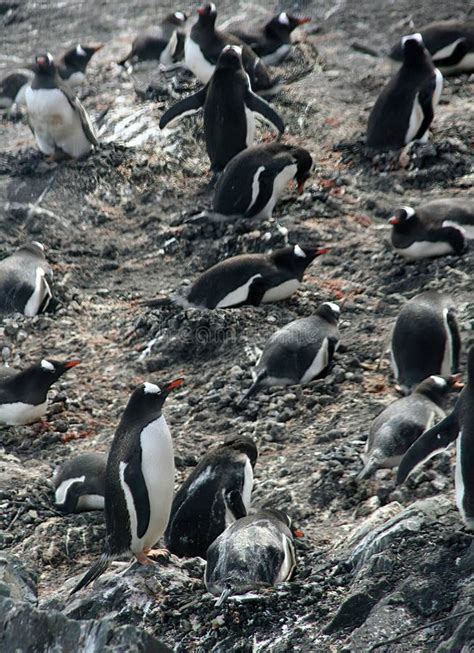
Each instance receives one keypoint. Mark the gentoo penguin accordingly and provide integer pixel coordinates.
(457, 425)
(79, 484)
(25, 281)
(299, 352)
(272, 42)
(254, 552)
(434, 229)
(400, 424)
(161, 44)
(215, 494)
(73, 63)
(253, 180)
(24, 394)
(405, 108)
(204, 44)
(229, 105)
(13, 88)
(56, 117)
(425, 339)
(450, 43)
(139, 480)
(252, 278)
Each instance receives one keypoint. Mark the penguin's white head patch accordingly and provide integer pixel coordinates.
(235, 48)
(151, 388)
(80, 51)
(46, 365)
(441, 383)
(409, 211)
(213, 9)
(283, 19)
(180, 16)
(415, 37)
(334, 308)
(38, 244)
(298, 251)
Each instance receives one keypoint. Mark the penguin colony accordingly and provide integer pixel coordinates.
(212, 514)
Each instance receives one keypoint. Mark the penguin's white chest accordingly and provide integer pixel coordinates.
(424, 249)
(280, 182)
(196, 61)
(157, 467)
(20, 413)
(40, 293)
(319, 363)
(283, 291)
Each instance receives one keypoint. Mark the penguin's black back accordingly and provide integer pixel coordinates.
(440, 34)
(419, 337)
(29, 386)
(198, 514)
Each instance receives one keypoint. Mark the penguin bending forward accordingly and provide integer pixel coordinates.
(405, 108)
(25, 281)
(254, 552)
(215, 494)
(204, 44)
(425, 339)
(161, 44)
(229, 106)
(272, 42)
(459, 426)
(253, 180)
(400, 424)
(24, 394)
(450, 43)
(139, 480)
(433, 229)
(56, 117)
(79, 483)
(299, 352)
(252, 279)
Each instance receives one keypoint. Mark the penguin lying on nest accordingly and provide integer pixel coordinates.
(79, 483)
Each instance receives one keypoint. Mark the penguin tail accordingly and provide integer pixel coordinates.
(255, 387)
(226, 592)
(97, 569)
(369, 469)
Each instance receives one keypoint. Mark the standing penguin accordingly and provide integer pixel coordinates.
(254, 552)
(229, 107)
(161, 44)
(254, 179)
(24, 394)
(56, 117)
(252, 278)
(450, 43)
(457, 425)
(272, 42)
(204, 44)
(25, 281)
(405, 108)
(299, 352)
(79, 484)
(139, 480)
(73, 63)
(400, 424)
(425, 339)
(433, 229)
(215, 494)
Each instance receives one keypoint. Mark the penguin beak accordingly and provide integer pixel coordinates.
(394, 220)
(96, 48)
(300, 187)
(323, 250)
(177, 383)
(456, 383)
(298, 533)
(303, 21)
(73, 363)
(201, 11)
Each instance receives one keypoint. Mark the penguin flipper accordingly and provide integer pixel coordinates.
(234, 501)
(425, 98)
(429, 443)
(455, 338)
(184, 107)
(256, 291)
(456, 55)
(253, 388)
(79, 109)
(94, 572)
(258, 105)
(133, 477)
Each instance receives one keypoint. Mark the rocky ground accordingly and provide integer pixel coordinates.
(125, 225)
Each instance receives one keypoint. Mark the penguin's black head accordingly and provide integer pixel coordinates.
(207, 15)
(230, 58)
(296, 258)
(414, 51)
(285, 23)
(147, 400)
(285, 518)
(244, 444)
(437, 387)
(330, 312)
(79, 56)
(35, 248)
(304, 162)
(47, 371)
(178, 18)
(44, 64)
(403, 219)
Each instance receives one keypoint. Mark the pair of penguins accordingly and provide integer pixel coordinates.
(208, 517)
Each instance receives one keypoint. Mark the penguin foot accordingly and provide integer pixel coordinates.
(58, 156)
(143, 559)
(158, 553)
